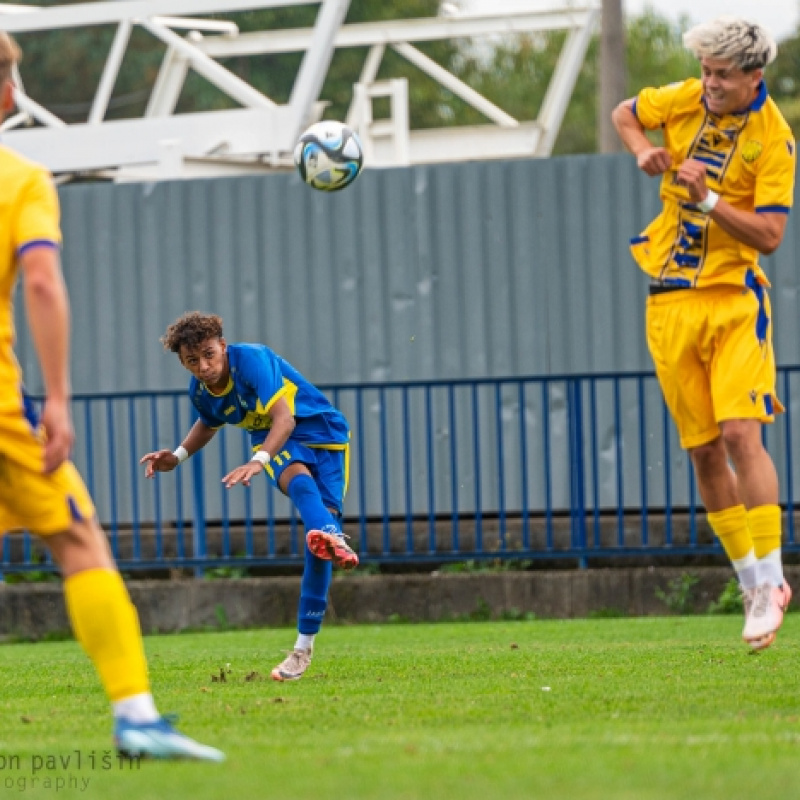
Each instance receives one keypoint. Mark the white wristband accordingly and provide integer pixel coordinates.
(707, 205)
(181, 453)
(262, 456)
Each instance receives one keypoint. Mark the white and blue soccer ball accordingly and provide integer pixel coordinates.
(329, 156)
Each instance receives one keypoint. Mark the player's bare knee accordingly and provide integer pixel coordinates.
(742, 438)
(709, 457)
(290, 473)
(83, 546)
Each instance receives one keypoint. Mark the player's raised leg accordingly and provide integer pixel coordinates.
(297, 482)
(330, 545)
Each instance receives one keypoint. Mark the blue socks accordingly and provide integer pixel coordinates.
(306, 497)
(313, 593)
(317, 572)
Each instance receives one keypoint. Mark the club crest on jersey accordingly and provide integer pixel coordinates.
(751, 150)
(753, 396)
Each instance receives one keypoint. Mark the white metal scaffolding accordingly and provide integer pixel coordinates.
(260, 135)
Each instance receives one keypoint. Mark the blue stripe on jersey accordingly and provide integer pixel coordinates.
(29, 409)
(714, 162)
(695, 231)
(708, 156)
(762, 320)
(36, 243)
(772, 209)
(761, 97)
(74, 511)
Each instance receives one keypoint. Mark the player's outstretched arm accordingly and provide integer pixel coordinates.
(47, 308)
(650, 159)
(166, 460)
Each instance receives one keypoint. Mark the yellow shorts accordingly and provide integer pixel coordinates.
(30, 500)
(714, 359)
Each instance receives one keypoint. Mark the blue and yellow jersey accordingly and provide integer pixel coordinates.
(29, 217)
(258, 379)
(750, 161)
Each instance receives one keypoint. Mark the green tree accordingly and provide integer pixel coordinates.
(518, 72)
(783, 79)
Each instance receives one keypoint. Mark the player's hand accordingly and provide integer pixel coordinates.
(692, 175)
(243, 474)
(57, 424)
(160, 461)
(654, 161)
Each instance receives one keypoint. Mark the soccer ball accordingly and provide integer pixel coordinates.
(329, 156)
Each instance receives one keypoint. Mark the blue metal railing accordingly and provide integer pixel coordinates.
(576, 466)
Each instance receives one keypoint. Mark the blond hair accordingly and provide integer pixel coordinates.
(748, 45)
(10, 54)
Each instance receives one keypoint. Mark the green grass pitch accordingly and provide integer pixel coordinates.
(605, 709)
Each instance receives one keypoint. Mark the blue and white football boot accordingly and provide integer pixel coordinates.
(159, 740)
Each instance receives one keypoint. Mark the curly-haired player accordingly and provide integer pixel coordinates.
(297, 436)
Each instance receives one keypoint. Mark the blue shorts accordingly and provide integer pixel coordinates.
(328, 464)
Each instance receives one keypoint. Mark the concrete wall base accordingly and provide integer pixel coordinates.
(34, 611)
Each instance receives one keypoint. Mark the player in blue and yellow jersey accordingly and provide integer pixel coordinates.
(727, 165)
(40, 489)
(297, 436)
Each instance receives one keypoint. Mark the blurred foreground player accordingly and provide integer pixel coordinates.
(40, 489)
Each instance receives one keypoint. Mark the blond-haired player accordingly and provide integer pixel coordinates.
(727, 163)
(40, 489)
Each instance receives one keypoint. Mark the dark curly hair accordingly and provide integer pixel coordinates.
(191, 329)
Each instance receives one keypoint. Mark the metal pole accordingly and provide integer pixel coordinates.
(316, 60)
(199, 513)
(556, 99)
(222, 78)
(613, 75)
(110, 72)
(456, 86)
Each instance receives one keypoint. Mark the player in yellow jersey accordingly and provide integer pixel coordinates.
(40, 490)
(727, 165)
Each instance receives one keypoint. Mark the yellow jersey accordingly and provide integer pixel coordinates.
(750, 162)
(29, 217)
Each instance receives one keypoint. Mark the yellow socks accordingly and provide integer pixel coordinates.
(765, 528)
(731, 528)
(752, 540)
(106, 624)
